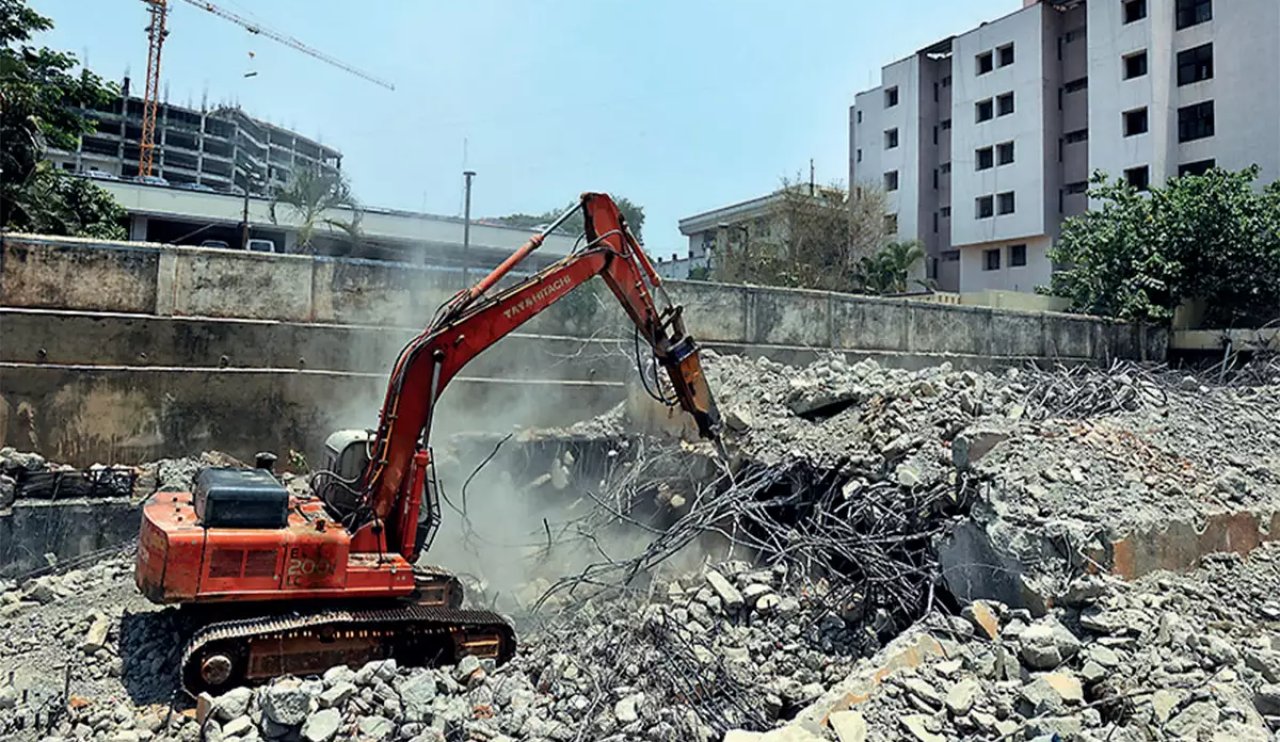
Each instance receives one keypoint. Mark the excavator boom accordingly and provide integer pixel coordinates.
(473, 321)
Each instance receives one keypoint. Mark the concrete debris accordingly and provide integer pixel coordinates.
(1159, 681)
(1007, 495)
(627, 667)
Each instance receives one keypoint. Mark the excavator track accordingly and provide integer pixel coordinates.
(224, 654)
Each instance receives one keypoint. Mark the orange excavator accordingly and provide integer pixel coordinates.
(298, 584)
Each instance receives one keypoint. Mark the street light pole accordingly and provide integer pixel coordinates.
(466, 230)
(244, 215)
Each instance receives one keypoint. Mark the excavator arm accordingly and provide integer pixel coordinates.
(474, 320)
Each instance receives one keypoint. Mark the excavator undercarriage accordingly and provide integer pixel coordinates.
(427, 629)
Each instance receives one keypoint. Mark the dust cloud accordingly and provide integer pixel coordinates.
(528, 517)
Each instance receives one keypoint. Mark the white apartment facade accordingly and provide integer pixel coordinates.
(984, 141)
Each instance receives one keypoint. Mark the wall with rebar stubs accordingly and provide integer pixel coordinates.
(128, 351)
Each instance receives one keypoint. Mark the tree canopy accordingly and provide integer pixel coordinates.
(826, 239)
(41, 97)
(1137, 256)
(632, 212)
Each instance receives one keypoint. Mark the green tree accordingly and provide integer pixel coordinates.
(889, 270)
(308, 196)
(40, 102)
(632, 212)
(1139, 255)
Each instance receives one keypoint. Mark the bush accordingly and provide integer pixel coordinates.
(1139, 255)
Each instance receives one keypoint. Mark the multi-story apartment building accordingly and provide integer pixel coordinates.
(218, 148)
(984, 142)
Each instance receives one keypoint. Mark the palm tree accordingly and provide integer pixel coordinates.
(308, 196)
(887, 271)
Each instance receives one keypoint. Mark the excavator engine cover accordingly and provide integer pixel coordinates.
(227, 497)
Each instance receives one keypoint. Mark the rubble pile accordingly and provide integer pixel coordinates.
(1193, 656)
(1048, 466)
(769, 593)
(870, 421)
(689, 659)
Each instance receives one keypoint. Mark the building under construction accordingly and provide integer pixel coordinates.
(217, 147)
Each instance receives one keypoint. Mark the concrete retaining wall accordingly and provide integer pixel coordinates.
(129, 351)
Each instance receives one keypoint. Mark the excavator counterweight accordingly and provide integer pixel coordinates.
(289, 584)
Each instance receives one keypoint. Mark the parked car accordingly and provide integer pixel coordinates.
(154, 180)
(101, 175)
(196, 187)
(262, 246)
(215, 243)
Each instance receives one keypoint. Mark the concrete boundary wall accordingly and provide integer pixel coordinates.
(127, 351)
(166, 281)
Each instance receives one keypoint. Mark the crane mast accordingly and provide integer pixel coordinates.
(156, 32)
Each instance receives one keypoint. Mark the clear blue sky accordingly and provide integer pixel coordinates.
(680, 105)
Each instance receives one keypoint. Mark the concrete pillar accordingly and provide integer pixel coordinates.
(137, 228)
(166, 280)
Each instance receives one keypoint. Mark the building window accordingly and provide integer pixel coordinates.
(935, 135)
(1193, 13)
(985, 63)
(891, 223)
(1135, 10)
(1195, 122)
(891, 139)
(859, 154)
(1075, 189)
(985, 158)
(1195, 64)
(951, 256)
(1196, 168)
(1075, 137)
(1005, 104)
(859, 117)
(1135, 65)
(991, 260)
(891, 97)
(891, 180)
(1135, 122)
(1074, 35)
(946, 212)
(945, 168)
(945, 124)
(1004, 153)
(1005, 202)
(946, 81)
(1139, 177)
(935, 222)
(935, 179)
(984, 110)
(1076, 86)
(984, 207)
(1017, 256)
(1006, 55)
